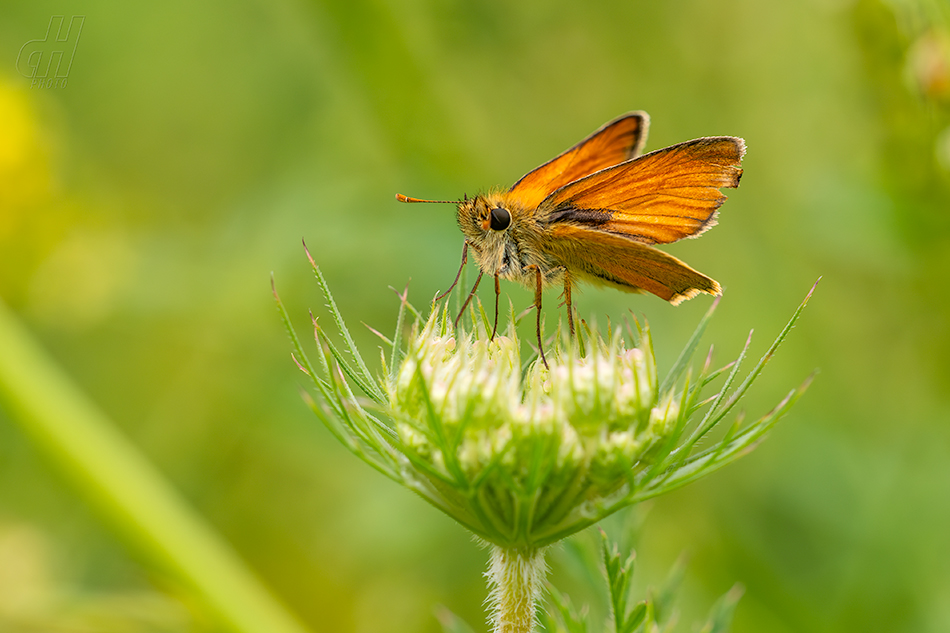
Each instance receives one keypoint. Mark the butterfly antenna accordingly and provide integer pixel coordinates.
(402, 198)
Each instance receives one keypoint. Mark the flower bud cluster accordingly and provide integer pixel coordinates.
(558, 436)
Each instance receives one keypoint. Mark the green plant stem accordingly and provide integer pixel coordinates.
(127, 489)
(515, 578)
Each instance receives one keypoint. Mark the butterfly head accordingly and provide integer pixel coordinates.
(491, 229)
(482, 215)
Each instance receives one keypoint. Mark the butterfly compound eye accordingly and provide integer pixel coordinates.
(500, 219)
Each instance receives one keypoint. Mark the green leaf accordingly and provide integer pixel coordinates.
(368, 387)
(450, 622)
(683, 360)
(570, 620)
(301, 357)
(741, 390)
(361, 368)
(713, 416)
(663, 600)
(637, 617)
(397, 337)
(731, 448)
(720, 617)
(619, 574)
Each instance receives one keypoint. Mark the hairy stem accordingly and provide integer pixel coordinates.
(515, 577)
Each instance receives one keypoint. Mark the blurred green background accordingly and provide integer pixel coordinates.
(144, 205)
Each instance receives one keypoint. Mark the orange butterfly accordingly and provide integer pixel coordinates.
(592, 214)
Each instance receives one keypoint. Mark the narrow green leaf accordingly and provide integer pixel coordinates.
(712, 416)
(380, 335)
(368, 387)
(347, 406)
(663, 601)
(572, 620)
(718, 372)
(720, 618)
(331, 421)
(367, 378)
(373, 459)
(438, 429)
(619, 575)
(303, 362)
(301, 356)
(646, 344)
(744, 386)
(636, 617)
(450, 622)
(719, 455)
(396, 356)
(683, 360)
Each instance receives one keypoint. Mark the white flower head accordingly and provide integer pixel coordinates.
(560, 438)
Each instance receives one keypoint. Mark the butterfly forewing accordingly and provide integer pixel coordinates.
(658, 198)
(616, 142)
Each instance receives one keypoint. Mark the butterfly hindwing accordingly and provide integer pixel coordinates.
(627, 264)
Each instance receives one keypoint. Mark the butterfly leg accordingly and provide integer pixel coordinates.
(494, 330)
(537, 305)
(458, 274)
(468, 300)
(567, 302)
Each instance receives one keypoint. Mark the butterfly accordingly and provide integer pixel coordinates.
(593, 213)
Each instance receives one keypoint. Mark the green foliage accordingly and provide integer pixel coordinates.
(721, 615)
(450, 622)
(653, 613)
(619, 574)
(119, 481)
(561, 616)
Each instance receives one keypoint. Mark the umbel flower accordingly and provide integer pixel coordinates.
(521, 454)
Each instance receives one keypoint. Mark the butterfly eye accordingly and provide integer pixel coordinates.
(500, 219)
